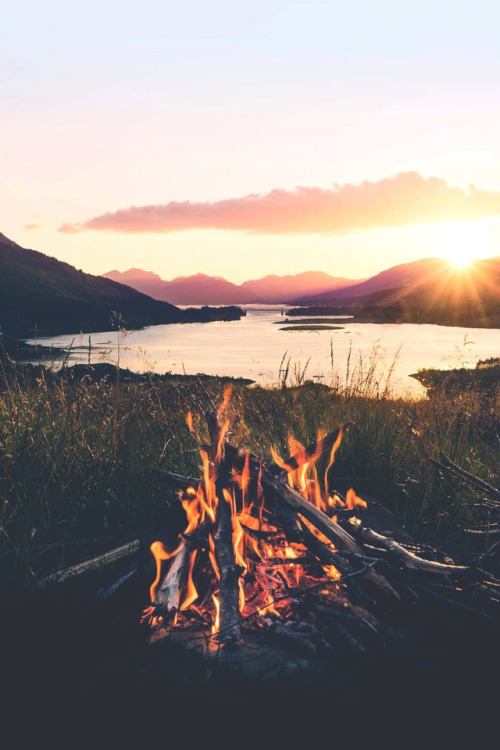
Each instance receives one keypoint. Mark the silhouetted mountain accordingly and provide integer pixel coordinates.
(199, 289)
(5, 241)
(37, 291)
(459, 297)
(282, 289)
(404, 275)
(202, 289)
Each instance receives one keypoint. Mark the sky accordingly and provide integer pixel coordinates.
(240, 140)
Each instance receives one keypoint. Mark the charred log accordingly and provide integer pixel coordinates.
(229, 630)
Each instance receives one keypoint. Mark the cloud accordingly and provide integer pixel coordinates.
(402, 200)
(32, 226)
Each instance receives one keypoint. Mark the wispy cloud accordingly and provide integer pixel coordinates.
(32, 226)
(402, 200)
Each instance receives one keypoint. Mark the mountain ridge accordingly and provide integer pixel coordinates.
(200, 288)
(39, 292)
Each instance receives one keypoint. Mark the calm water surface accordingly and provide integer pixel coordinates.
(255, 347)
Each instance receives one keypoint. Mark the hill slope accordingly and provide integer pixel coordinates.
(404, 275)
(467, 297)
(37, 291)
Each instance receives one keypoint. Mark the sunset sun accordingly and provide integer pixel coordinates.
(463, 243)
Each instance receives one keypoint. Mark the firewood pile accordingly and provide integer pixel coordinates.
(276, 575)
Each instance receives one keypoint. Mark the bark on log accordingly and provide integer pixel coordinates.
(229, 615)
(176, 481)
(277, 491)
(409, 559)
(170, 592)
(95, 563)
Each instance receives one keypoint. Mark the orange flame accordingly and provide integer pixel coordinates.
(332, 572)
(192, 593)
(227, 395)
(333, 451)
(160, 553)
(211, 555)
(353, 501)
(245, 480)
(216, 623)
(268, 562)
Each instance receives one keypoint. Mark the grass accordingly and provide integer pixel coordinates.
(75, 452)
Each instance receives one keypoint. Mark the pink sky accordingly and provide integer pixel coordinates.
(241, 141)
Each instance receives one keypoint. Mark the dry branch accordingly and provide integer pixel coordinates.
(407, 558)
(448, 465)
(95, 563)
(175, 481)
(277, 491)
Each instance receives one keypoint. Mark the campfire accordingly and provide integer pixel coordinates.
(274, 557)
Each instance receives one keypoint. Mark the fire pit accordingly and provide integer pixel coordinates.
(277, 575)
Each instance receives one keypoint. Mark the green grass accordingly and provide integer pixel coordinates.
(75, 453)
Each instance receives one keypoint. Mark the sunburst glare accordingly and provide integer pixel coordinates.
(462, 243)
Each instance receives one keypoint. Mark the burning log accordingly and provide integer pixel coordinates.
(169, 595)
(286, 567)
(229, 571)
(277, 491)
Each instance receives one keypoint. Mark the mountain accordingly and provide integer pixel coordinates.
(396, 277)
(199, 289)
(281, 289)
(5, 241)
(37, 291)
(458, 297)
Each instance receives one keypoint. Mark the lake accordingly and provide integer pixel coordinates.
(255, 347)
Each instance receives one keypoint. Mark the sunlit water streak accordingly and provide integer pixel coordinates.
(255, 347)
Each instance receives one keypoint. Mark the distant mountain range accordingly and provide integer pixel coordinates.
(201, 289)
(281, 289)
(402, 276)
(185, 290)
(457, 297)
(40, 293)
(430, 290)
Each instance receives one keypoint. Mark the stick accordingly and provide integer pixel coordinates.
(108, 591)
(229, 571)
(409, 559)
(176, 481)
(278, 492)
(101, 561)
(478, 483)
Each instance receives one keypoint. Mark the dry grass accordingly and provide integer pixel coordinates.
(75, 454)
